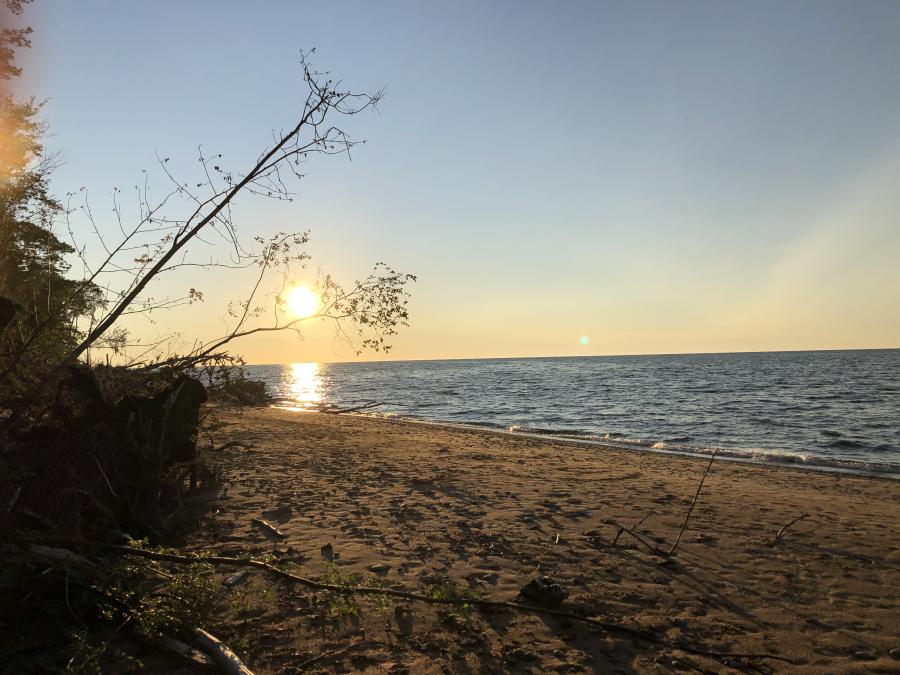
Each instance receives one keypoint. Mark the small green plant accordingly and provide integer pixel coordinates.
(340, 605)
(157, 599)
(460, 596)
(91, 655)
(382, 602)
(335, 576)
(85, 654)
(185, 602)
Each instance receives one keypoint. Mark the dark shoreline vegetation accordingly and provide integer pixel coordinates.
(99, 429)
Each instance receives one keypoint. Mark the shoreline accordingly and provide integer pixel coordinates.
(422, 506)
(764, 457)
(598, 356)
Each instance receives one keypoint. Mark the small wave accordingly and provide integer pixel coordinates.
(845, 444)
(542, 431)
(753, 455)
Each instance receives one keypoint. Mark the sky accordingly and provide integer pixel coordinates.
(657, 177)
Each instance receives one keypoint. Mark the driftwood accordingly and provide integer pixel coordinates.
(633, 527)
(227, 660)
(180, 651)
(233, 444)
(236, 578)
(329, 408)
(61, 556)
(269, 528)
(608, 626)
(337, 410)
(693, 504)
(652, 547)
(784, 528)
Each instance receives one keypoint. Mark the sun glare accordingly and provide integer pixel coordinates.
(302, 302)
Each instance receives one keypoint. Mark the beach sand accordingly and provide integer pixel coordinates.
(425, 504)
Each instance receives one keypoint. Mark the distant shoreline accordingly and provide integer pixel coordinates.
(596, 356)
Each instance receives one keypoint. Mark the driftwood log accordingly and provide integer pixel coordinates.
(180, 651)
(227, 660)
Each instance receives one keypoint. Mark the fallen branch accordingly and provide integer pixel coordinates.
(784, 528)
(269, 528)
(183, 653)
(327, 408)
(328, 655)
(633, 527)
(233, 444)
(226, 659)
(693, 503)
(61, 556)
(652, 547)
(335, 410)
(608, 626)
(12, 502)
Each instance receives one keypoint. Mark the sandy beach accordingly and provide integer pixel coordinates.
(418, 506)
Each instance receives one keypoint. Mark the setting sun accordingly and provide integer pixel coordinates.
(302, 302)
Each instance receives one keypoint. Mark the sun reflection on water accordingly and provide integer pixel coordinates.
(303, 381)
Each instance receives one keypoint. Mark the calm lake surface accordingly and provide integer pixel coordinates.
(828, 410)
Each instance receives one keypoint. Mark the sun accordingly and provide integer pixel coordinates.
(302, 302)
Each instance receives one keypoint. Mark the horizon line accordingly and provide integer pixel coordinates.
(587, 356)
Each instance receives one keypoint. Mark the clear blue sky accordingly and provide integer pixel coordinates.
(658, 176)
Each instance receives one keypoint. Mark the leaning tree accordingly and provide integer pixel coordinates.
(171, 233)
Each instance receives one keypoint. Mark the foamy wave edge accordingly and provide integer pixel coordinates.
(747, 455)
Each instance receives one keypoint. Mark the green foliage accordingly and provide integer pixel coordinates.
(33, 260)
(85, 654)
(338, 605)
(91, 655)
(451, 591)
(159, 600)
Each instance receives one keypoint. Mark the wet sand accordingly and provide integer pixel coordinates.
(417, 506)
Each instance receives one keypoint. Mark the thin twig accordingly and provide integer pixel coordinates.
(233, 444)
(12, 502)
(693, 503)
(633, 527)
(103, 473)
(328, 655)
(608, 626)
(651, 546)
(786, 526)
(335, 410)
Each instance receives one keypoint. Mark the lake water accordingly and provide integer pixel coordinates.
(829, 410)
